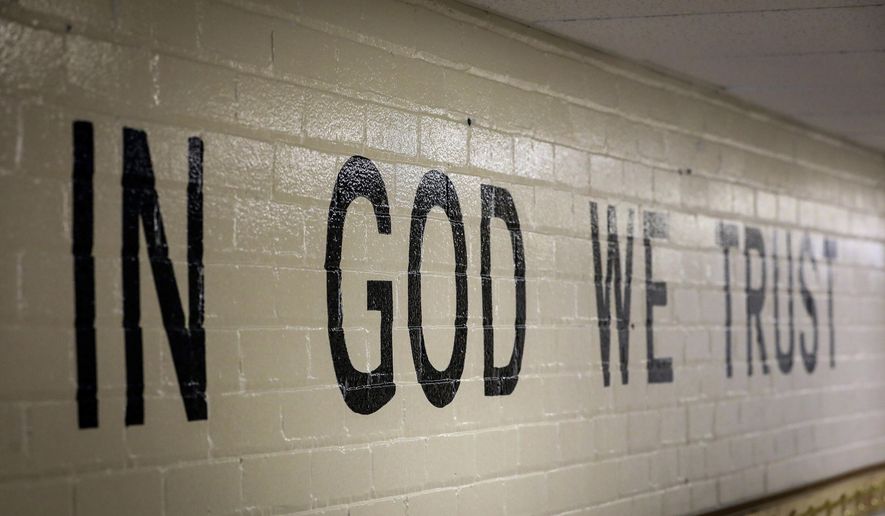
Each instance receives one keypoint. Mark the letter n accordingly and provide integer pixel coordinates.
(187, 343)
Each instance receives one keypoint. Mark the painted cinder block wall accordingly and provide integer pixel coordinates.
(746, 361)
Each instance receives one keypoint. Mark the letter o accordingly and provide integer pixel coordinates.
(440, 386)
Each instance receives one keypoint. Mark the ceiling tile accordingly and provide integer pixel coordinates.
(822, 61)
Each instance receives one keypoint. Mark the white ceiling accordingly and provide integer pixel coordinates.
(819, 61)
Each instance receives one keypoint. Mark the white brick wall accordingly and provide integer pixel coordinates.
(282, 94)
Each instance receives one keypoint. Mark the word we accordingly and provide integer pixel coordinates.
(660, 369)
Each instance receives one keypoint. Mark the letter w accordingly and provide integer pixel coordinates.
(603, 291)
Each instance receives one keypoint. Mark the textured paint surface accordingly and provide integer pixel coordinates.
(401, 257)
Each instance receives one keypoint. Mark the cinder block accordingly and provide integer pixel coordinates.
(340, 475)
(553, 209)
(526, 494)
(238, 35)
(726, 418)
(31, 370)
(786, 208)
(666, 186)
(202, 489)
(696, 193)
(538, 447)
(304, 173)
(638, 180)
(195, 89)
(304, 52)
(647, 504)
(35, 61)
(568, 486)
(450, 459)
(38, 498)
(535, 159)
(138, 493)
(267, 228)
(243, 423)
(398, 466)
(664, 468)
(718, 459)
(21, 217)
(270, 105)
(691, 462)
(611, 435)
(676, 500)
(104, 72)
(153, 442)
(497, 453)
(296, 310)
(719, 196)
(313, 417)
(13, 444)
(333, 118)
(102, 446)
(571, 166)
(703, 494)
(643, 431)
(391, 130)
(700, 421)
(577, 441)
(443, 140)
(673, 425)
(170, 23)
(245, 297)
(434, 502)
(222, 362)
(482, 498)
(237, 163)
(686, 304)
(491, 150)
(633, 475)
(278, 481)
(588, 129)
(744, 200)
(607, 175)
(275, 358)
